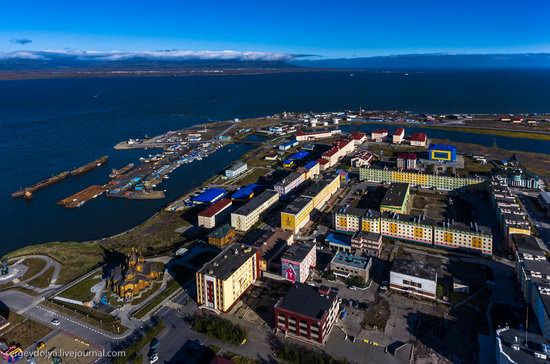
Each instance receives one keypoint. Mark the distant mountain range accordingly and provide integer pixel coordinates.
(433, 61)
(40, 64)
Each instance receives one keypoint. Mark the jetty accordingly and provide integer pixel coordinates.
(80, 198)
(27, 192)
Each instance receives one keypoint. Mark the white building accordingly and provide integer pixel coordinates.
(414, 276)
(236, 170)
(249, 214)
(398, 136)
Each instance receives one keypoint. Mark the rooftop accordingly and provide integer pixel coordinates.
(297, 252)
(473, 227)
(235, 166)
(419, 137)
(416, 266)
(297, 205)
(209, 195)
(220, 232)
(289, 179)
(406, 156)
(256, 202)
(511, 343)
(418, 219)
(228, 261)
(306, 300)
(351, 260)
(395, 195)
(367, 235)
(399, 131)
(317, 186)
(215, 208)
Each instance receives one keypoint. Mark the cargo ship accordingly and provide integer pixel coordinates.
(119, 172)
(87, 167)
(27, 192)
(80, 198)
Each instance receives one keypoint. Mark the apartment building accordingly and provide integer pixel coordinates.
(289, 183)
(297, 261)
(414, 178)
(214, 213)
(225, 278)
(296, 215)
(250, 213)
(455, 235)
(322, 190)
(307, 313)
(396, 198)
(417, 229)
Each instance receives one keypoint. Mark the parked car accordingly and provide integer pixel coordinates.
(55, 322)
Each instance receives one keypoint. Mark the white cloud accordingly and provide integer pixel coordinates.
(152, 55)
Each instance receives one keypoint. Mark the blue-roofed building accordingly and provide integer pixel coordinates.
(210, 195)
(245, 193)
(299, 155)
(339, 242)
(442, 152)
(311, 164)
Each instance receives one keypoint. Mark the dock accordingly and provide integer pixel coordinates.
(81, 197)
(27, 192)
(89, 166)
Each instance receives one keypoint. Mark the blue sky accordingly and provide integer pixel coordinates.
(326, 28)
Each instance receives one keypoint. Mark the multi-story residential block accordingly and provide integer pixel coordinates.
(225, 278)
(417, 229)
(367, 243)
(438, 181)
(455, 235)
(396, 198)
(214, 213)
(322, 190)
(415, 276)
(347, 265)
(249, 214)
(297, 261)
(307, 313)
(236, 170)
(358, 138)
(289, 183)
(340, 149)
(296, 215)
(312, 169)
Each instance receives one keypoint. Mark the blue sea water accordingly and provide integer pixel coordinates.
(48, 126)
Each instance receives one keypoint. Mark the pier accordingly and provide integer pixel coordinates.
(27, 192)
(81, 197)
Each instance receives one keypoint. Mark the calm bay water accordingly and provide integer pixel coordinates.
(48, 126)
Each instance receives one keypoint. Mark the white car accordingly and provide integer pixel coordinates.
(153, 359)
(55, 322)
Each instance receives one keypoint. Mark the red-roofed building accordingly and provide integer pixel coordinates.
(419, 139)
(398, 136)
(379, 135)
(302, 136)
(362, 159)
(340, 148)
(358, 138)
(517, 120)
(323, 163)
(406, 161)
(208, 216)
